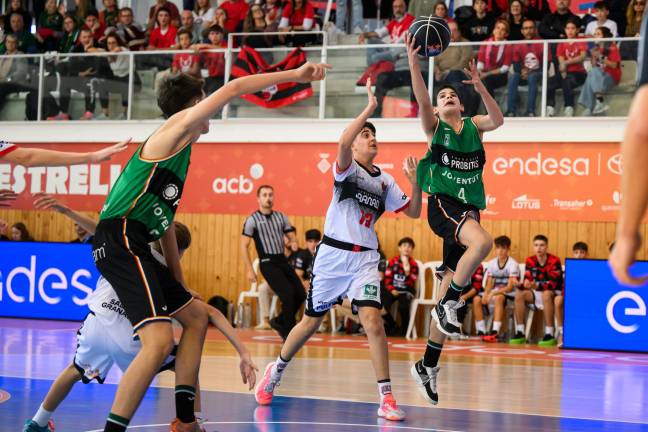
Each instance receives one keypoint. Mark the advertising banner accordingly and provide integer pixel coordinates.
(46, 280)
(600, 313)
(526, 180)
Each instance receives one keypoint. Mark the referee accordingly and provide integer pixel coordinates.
(268, 229)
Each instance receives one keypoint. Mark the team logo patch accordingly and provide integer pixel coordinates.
(445, 159)
(370, 292)
(170, 191)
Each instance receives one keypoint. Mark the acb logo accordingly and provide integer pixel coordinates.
(240, 184)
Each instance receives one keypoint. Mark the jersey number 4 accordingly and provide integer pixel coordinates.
(462, 195)
(366, 219)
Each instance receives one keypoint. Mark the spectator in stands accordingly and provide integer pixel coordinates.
(298, 15)
(542, 282)
(163, 37)
(601, 13)
(187, 63)
(419, 8)
(214, 62)
(20, 233)
(187, 21)
(16, 6)
(98, 30)
(130, 32)
(401, 275)
(203, 14)
(536, 9)
(255, 22)
(480, 25)
(356, 16)
(49, 27)
(579, 251)
(553, 25)
(70, 37)
(84, 72)
(634, 15)
(441, 11)
(502, 275)
(236, 11)
(83, 8)
(515, 19)
(109, 16)
(571, 71)
(494, 61)
(272, 9)
(3, 230)
(449, 69)
(604, 74)
(172, 10)
(220, 18)
(305, 258)
(118, 82)
(26, 40)
(527, 70)
(396, 29)
(13, 71)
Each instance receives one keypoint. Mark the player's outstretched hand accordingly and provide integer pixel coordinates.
(473, 77)
(45, 201)
(412, 51)
(6, 197)
(622, 257)
(409, 168)
(248, 370)
(108, 152)
(312, 72)
(372, 102)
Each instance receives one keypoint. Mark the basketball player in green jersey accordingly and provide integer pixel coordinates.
(451, 173)
(140, 209)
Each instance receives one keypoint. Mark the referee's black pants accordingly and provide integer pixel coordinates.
(286, 284)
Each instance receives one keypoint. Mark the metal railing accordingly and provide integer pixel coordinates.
(44, 62)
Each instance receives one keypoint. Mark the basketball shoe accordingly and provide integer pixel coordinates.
(389, 410)
(32, 426)
(490, 337)
(178, 426)
(445, 316)
(265, 388)
(426, 378)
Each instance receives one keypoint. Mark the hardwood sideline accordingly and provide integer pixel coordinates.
(213, 264)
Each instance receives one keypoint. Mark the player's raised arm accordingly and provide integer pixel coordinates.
(30, 156)
(44, 201)
(428, 119)
(413, 210)
(494, 117)
(345, 154)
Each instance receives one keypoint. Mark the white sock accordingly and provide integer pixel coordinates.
(42, 416)
(278, 368)
(481, 326)
(384, 389)
(549, 330)
(497, 325)
(519, 328)
(560, 330)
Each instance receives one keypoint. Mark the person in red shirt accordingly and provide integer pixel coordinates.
(236, 11)
(396, 29)
(213, 61)
(542, 282)
(605, 74)
(297, 15)
(527, 69)
(401, 275)
(94, 25)
(494, 61)
(571, 72)
(170, 7)
(163, 36)
(188, 63)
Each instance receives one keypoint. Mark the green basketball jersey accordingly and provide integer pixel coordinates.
(149, 191)
(454, 164)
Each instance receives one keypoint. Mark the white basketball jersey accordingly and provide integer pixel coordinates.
(501, 275)
(359, 199)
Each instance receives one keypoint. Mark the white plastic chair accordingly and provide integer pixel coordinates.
(420, 299)
(253, 292)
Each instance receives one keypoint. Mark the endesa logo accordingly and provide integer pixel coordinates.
(240, 184)
(542, 165)
(616, 317)
(46, 280)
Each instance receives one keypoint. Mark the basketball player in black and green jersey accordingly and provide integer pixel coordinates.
(140, 209)
(451, 173)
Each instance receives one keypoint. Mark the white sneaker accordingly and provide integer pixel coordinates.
(600, 107)
(550, 111)
(357, 30)
(426, 380)
(569, 111)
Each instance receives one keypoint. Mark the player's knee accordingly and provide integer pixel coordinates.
(547, 296)
(485, 243)
(476, 301)
(558, 301)
(499, 300)
(373, 324)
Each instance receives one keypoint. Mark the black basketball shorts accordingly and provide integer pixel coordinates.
(145, 287)
(446, 217)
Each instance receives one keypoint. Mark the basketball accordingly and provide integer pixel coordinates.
(432, 34)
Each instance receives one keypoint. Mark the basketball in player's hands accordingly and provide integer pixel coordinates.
(432, 34)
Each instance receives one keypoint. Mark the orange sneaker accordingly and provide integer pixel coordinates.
(389, 410)
(490, 337)
(266, 386)
(178, 426)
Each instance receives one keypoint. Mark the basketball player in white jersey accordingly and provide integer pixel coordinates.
(346, 262)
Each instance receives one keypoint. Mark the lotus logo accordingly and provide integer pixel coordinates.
(615, 165)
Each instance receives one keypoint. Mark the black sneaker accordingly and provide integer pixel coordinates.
(445, 316)
(426, 378)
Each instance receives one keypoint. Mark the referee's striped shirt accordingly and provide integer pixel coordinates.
(268, 232)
